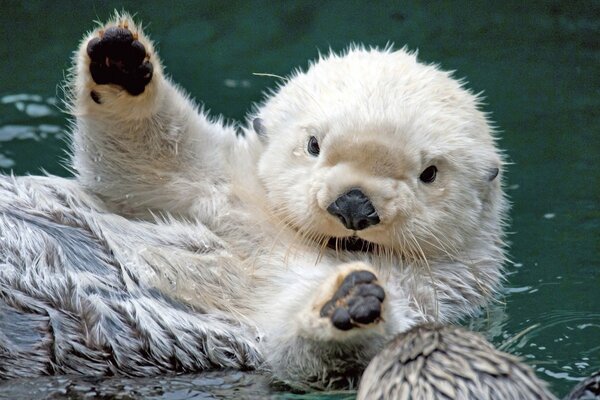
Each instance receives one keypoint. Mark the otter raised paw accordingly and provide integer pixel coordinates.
(133, 125)
(117, 57)
(117, 68)
(356, 302)
(351, 301)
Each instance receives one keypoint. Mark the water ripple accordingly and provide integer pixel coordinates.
(29, 132)
(33, 105)
(26, 117)
(208, 385)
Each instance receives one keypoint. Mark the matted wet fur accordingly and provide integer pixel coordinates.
(364, 197)
(448, 362)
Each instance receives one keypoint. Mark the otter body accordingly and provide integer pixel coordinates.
(363, 198)
(447, 362)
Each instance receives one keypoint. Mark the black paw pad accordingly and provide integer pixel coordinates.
(119, 59)
(356, 302)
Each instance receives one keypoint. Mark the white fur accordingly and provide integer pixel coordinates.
(381, 117)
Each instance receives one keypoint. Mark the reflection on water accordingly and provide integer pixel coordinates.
(559, 329)
(211, 385)
(31, 104)
(541, 342)
(536, 61)
(27, 118)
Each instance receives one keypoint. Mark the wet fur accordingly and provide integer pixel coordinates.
(445, 362)
(179, 246)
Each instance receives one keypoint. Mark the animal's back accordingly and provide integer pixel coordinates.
(78, 290)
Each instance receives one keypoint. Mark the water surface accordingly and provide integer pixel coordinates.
(538, 63)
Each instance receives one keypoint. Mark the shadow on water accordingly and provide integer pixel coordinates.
(537, 62)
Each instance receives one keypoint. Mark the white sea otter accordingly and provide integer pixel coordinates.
(363, 198)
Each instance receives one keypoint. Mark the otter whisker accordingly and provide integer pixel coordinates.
(431, 276)
(441, 243)
(306, 92)
(324, 242)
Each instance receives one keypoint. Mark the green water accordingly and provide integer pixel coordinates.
(538, 63)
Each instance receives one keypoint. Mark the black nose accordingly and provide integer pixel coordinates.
(355, 210)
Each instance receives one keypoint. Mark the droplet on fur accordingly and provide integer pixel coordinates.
(98, 178)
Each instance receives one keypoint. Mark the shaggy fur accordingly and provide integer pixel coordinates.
(75, 295)
(177, 239)
(435, 362)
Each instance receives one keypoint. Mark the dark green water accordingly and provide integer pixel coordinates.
(538, 63)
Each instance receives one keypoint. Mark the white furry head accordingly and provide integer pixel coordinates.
(406, 134)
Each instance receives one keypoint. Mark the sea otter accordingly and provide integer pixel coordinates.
(363, 197)
(448, 362)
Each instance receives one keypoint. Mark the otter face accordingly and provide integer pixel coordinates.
(377, 146)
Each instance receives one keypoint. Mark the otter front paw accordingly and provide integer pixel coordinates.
(356, 302)
(117, 57)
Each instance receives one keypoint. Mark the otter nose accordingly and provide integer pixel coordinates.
(354, 210)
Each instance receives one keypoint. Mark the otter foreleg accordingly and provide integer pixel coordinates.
(335, 329)
(139, 142)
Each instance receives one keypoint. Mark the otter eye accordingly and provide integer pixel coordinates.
(429, 174)
(313, 146)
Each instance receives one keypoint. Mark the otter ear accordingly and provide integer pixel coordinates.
(259, 127)
(492, 173)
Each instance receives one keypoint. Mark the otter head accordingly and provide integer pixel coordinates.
(375, 145)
